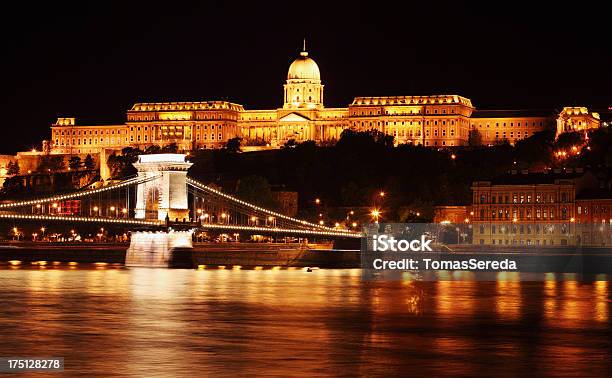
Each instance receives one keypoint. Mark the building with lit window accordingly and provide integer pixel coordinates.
(594, 217)
(437, 121)
(577, 118)
(497, 126)
(523, 208)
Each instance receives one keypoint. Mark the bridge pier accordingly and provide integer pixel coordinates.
(157, 249)
(165, 194)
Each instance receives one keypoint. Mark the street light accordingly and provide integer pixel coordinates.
(318, 201)
(375, 213)
(382, 194)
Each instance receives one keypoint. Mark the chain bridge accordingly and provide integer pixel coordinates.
(160, 197)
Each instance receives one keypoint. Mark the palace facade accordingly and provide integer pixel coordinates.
(437, 121)
(559, 207)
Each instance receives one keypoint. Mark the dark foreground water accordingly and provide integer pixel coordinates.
(158, 322)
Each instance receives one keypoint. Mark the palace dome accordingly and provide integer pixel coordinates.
(304, 68)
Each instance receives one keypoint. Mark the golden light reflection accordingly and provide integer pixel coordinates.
(508, 300)
(452, 299)
(571, 311)
(601, 301)
(550, 298)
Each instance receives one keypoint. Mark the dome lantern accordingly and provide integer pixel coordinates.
(303, 88)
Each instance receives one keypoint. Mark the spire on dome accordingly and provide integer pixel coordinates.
(304, 52)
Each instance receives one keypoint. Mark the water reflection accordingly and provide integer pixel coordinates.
(285, 322)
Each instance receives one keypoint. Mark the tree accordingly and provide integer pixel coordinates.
(13, 185)
(172, 148)
(74, 162)
(233, 145)
(50, 163)
(121, 165)
(569, 140)
(291, 143)
(474, 138)
(89, 162)
(12, 168)
(256, 189)
(535, 151)
(153, 149)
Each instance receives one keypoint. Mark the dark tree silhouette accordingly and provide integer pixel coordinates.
(74, 162)
(474, 138)
(256, 189)
(89, 162)
(233, 145)
(12, 168)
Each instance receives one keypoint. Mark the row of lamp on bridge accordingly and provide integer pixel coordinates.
(224, 218)
(56, 208)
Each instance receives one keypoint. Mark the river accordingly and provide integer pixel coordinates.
(111, 321)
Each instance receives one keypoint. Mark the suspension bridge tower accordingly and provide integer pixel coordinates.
(163, 192)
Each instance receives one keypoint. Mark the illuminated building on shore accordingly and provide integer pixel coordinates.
(577, 118)
(436, 121)
(540, 209)
(594, 217)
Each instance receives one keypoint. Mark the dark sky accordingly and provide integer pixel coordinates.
(92, 60)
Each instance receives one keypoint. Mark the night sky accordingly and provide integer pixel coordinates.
(93, 60)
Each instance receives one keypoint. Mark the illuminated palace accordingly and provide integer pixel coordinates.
(440, 120)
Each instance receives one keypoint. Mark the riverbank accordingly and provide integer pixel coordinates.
(203, 254)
